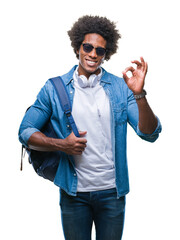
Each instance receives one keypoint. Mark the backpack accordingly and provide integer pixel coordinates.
(46, 163)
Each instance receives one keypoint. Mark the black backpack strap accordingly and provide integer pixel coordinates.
(65, 102)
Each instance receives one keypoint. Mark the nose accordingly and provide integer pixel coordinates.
(93, 53)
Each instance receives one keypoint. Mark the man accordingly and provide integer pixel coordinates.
(92, 174)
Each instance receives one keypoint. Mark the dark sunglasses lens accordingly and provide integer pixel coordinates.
(87, 48)
(100, 51)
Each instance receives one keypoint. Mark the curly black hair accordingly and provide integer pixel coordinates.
(95, 24)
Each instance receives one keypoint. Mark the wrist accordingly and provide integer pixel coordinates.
(140, 95)
(58, 144)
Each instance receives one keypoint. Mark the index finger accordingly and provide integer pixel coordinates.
(142, 59)
(137, 63)
(82, 140)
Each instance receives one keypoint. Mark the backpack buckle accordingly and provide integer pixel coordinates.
(68, 113)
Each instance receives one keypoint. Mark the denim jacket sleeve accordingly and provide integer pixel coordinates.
(133, 119)
(37, 115)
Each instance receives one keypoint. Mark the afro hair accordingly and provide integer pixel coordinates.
(95, 24)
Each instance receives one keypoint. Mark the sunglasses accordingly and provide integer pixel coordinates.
(100, 51)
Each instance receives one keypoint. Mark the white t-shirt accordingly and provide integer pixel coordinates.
(91, 112)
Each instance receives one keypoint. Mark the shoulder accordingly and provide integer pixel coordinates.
(69, 75)
(113, 79)
(48, 86)
(116, 86)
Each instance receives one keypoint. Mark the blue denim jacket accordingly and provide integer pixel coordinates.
(123, 110)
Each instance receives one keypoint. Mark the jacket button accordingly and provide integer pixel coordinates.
(75, 174)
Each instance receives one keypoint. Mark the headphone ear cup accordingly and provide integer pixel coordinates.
(90, 82)
(93, 80)
(82, 80)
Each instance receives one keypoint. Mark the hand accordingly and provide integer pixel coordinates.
(136, 82)
(73, 145)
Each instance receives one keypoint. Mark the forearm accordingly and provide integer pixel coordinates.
(38, 141)
(71, 145)
(147, 119)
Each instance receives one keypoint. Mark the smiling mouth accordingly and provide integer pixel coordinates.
(91, 63)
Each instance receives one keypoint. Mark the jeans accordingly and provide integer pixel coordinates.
(101, 207)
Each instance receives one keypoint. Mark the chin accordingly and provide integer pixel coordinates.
(88, 70)
(92, 70)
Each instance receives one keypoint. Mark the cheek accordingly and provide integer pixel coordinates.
(81, 58)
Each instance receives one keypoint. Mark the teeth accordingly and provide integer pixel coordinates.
(91, 62)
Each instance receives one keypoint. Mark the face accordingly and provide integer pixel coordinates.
(89, 63)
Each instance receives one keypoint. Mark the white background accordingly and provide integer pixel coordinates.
(34, 47)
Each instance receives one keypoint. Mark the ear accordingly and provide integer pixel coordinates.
(102, 60)
(77, 54)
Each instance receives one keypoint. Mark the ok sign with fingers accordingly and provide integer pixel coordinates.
(136, 81)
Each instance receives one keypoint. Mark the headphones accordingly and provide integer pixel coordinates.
(90, 82)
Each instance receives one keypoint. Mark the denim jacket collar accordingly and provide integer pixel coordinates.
(69, 76)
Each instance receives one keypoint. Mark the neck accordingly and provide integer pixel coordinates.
(88, 74)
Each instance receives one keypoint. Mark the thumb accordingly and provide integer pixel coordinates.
(125, 76)
(82, 133)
